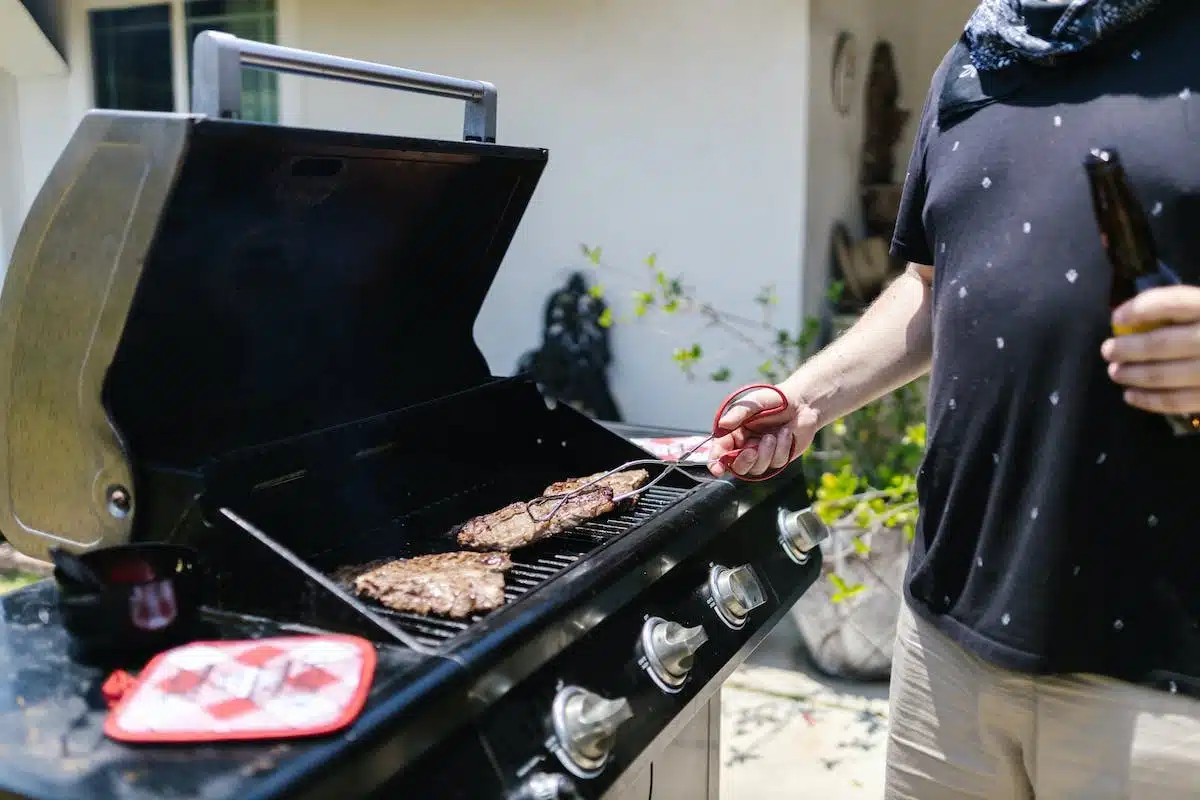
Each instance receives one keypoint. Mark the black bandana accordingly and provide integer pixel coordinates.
(1000, 50)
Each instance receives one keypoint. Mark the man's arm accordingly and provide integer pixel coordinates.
(891, 345)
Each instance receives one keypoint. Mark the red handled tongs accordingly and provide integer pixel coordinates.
(559, 500)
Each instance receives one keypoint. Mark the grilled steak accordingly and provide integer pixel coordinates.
(512, 526)
(620, 482)
(454, 585)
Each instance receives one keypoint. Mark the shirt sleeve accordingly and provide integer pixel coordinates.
(910, 240)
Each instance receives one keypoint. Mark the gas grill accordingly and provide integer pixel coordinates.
(257, 340)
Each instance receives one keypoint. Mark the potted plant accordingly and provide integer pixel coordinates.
(863, 470)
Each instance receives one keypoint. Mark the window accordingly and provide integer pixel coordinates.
(131, 58)
(136, 66)
(247, 19)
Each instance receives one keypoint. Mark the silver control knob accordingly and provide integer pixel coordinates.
(586, 726)
(800, 532)
(670, 649)
(735, 593)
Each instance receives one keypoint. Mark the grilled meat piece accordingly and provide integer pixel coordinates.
(512, 526)
(620, 482)
(454, 585)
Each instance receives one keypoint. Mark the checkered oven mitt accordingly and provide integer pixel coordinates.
(279, 688)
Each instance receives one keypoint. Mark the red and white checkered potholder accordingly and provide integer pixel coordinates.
(260, 689)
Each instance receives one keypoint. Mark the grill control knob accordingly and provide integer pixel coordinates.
(735, 593)
(670, 649)
(800, 532)
(586, 726)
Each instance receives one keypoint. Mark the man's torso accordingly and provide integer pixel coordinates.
(1060, 528)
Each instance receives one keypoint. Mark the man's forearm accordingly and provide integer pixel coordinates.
(889, 346)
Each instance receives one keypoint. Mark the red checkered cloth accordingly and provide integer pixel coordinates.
(278, 688)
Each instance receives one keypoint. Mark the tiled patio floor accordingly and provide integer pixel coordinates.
(788, 732)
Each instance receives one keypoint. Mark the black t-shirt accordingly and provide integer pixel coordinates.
(1060, 528)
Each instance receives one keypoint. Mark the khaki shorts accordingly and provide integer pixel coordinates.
(961, 728)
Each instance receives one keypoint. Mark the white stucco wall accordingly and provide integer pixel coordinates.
(684, 127)
(10, 165)
(27, 58)
(675, 126)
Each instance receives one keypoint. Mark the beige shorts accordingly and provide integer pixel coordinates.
(961, 728)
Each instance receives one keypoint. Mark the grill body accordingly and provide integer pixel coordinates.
(264, 337)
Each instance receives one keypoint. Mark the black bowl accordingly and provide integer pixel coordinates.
(148, 600)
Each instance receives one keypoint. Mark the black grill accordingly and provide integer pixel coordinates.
(265, 346)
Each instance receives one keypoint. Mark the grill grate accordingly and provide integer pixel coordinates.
(533, 566)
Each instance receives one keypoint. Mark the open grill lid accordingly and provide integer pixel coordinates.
(186, 285)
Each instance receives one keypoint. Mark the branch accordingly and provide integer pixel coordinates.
(864, 496)
(762, 350)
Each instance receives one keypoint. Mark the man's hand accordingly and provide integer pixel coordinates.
(766, 442)
(1161, 367)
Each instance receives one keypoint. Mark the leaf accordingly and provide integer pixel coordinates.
(597, 292)
(606, 318)
(687, 356)
(721, 375)
(652, 260)
(844, 591)
(642, 301)
(861, 547)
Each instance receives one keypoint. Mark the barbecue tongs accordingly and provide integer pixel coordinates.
(560, 499)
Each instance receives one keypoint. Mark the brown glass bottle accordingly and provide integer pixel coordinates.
(1129, 244)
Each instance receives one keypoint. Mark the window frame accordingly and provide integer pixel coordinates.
(180, 48)
(94, 67)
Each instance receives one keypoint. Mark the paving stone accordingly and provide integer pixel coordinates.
(786, 734)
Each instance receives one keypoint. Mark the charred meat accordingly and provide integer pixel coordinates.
(514, 526)
(455, 585)
(620, 482)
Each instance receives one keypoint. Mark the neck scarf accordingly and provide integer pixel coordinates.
(998, 52)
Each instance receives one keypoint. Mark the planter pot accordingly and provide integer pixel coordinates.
(852, 637)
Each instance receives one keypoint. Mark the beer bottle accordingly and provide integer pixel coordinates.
(1129, 244)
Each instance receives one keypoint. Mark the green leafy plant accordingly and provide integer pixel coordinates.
(864, 472)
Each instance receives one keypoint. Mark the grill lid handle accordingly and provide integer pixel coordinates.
(218, 59)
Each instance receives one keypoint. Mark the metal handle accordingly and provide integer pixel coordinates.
(218, 59)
